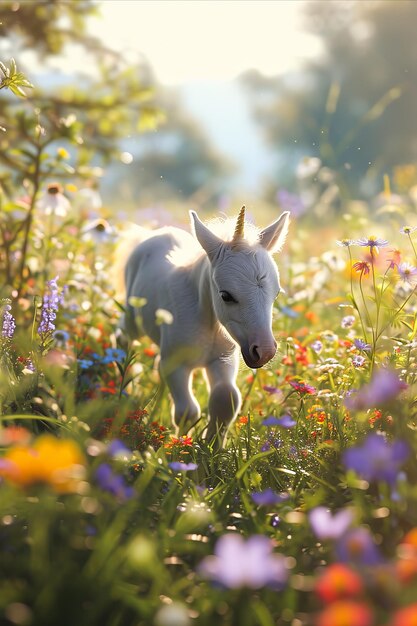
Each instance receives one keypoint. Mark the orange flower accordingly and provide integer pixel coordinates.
(406, 616)
(406, 569)
(347, 613)
(57, 462)
(14, 434)
(411, 538)
(338, 581)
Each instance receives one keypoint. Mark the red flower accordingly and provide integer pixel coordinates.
(338, 581)
(302, 387)
(362, 267)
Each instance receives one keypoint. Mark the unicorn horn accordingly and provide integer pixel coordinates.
(240, 225)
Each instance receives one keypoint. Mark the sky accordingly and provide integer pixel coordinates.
(188, 40)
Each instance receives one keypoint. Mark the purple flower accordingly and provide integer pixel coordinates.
(268, 497)
(177, 466)
(317, 346)
(362, 345)
(374, 243)
(357, 546)
(245, 563)
(326, 525)
(291, 202)
(384, 386)
(271, 390)
(358, 360)
(408, 273)
(8, 323)
(285, 421)
(348, 321)
(113, 483)
(377, 459)
(117, 449)
(50, 305)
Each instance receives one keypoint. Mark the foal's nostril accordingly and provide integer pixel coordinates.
(254, 353)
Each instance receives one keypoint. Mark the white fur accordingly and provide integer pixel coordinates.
(173, 273)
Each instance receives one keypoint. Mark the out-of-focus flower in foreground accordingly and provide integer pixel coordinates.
(326, 525)
(109, 481)
(338, 581)
(377, 459)
(358, 547)
(384, 386)
(56, 462)
(346, 613)
(407, 616)
(268, 497)
(245, 563)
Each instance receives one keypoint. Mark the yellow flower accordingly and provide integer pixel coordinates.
(62, 153)
(57, 462)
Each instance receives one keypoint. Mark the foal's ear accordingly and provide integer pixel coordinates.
(208, 240)
(272, 238)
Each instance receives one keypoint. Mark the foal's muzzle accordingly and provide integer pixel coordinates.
(257, 355)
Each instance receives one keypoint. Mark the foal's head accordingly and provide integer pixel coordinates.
(244, 284)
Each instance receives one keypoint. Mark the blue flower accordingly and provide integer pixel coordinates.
(113, 483)
(113, 354)
(268, 497)
(177, 466)
(285, 421)
(377, 459)
(286, 310)
(85, 364)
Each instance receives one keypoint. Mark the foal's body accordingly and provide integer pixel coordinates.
(207, 326)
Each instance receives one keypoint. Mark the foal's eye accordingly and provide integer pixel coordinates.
(227, 297)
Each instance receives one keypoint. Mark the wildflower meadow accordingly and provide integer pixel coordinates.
(306, 516)
(308, 513)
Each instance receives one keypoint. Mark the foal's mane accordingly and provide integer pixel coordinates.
(223, 228)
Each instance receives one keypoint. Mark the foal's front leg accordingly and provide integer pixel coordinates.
(186, 409)
(225, 398)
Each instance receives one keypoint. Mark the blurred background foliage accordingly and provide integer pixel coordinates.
(352, 108)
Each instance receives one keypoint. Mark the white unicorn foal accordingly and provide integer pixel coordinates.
(219, 301)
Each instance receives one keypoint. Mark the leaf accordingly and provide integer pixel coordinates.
(253, 459)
